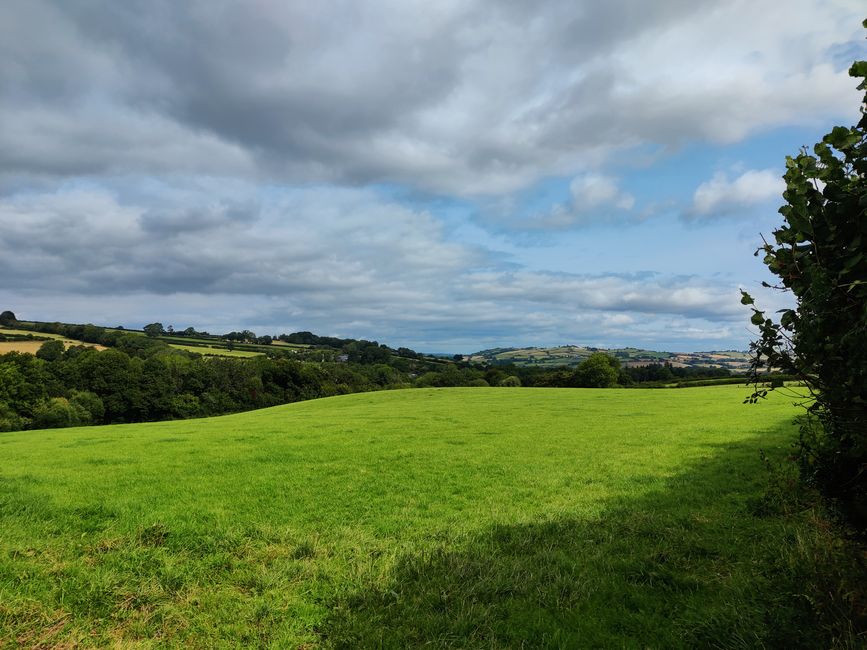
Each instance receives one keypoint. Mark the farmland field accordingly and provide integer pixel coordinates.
(33, 346)
(20, 346)
(214, 351)
(450, 517)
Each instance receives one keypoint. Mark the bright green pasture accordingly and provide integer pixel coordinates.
(448, 517)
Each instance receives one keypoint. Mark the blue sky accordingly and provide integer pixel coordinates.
(449, 176)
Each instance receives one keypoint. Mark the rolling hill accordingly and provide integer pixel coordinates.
(572, 355)
(448, 517)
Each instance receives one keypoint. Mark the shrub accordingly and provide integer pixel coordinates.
(820, 255)
(59, 412)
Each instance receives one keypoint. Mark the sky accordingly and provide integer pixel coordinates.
(448, 176)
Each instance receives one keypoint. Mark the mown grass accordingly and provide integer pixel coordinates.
(483, 518)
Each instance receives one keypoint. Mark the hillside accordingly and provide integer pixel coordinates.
(452, 517)
(572, 355)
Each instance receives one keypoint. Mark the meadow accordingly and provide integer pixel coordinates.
(487, 518)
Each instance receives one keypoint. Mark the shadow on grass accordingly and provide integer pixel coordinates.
(697, 563)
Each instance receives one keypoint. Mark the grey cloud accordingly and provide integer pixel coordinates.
(463, 98)
(345, 262)
(172, 221)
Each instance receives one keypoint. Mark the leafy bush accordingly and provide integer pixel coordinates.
(59, 412)
(820, 255)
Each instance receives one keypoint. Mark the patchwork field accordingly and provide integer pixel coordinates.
(33, 346)
(457, 518)
(211, 351)
(572, 355)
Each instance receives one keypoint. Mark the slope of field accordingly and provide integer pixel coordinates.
(450, 517)
(33, 346)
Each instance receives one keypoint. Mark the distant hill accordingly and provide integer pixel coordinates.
(572, 355)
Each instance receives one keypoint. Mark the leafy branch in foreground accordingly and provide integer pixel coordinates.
(820, 255)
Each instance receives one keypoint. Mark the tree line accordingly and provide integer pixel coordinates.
(141, 378)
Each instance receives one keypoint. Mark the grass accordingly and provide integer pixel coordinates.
(461, 518)
(215, 351)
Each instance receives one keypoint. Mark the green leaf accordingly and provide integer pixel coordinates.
(746, 299)
(838, 137)
(853, 261)
(858, 69)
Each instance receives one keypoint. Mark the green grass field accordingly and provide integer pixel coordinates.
(489, 518)
(213, 351)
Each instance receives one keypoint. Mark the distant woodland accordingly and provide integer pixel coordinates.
(139, 376)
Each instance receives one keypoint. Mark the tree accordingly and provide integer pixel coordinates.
(51, 350)
(599, 370)
(59, 412)
(154, 329)
(7, 318)
(820, 256)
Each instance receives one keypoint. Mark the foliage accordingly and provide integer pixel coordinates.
(59, 412)
(820, 256)
(599, 370)
(7, 318)
(51, 350)
(154, 329)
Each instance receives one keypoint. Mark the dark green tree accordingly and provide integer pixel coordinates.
(51, 350)
(7, 318)
(599, 370)
(154, 329)
(820, 256)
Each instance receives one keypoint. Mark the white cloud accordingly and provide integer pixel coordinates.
(594, 198)
(722, 195)
(592, 191)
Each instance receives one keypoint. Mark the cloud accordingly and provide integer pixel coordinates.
(339, 261)
(722, 195)
(208, 161)
(460, 98)
(594, 190)
(593, 198)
